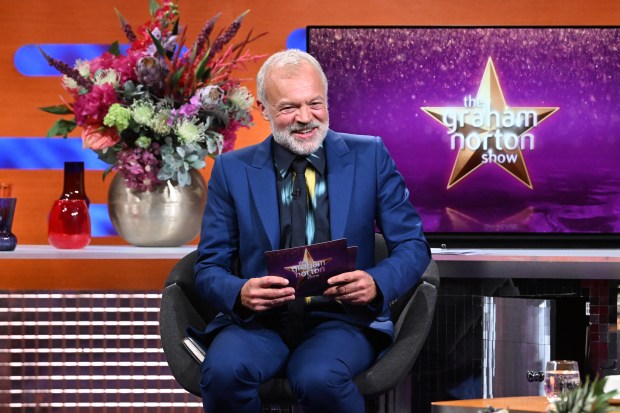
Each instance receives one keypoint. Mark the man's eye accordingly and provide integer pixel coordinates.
(287, 110)
(316, 105)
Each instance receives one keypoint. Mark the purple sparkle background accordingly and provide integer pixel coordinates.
(379, 78)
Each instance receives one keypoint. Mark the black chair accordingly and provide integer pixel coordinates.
(412, 314)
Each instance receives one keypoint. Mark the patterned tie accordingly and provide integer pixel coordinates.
(299, 210)
(299, 206)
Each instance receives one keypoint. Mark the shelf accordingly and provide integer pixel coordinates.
(96, 252)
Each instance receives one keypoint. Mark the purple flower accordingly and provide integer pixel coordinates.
(187, 110)
(139, 167)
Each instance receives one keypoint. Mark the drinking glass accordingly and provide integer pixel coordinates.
(5, 190)
(561, 376)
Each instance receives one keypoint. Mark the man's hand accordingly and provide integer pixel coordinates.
(263, 293)
(355, 287)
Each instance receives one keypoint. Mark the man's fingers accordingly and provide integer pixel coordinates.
(344, 278)
(355, 287)
(272, 281)
(260, 294)
(261, 304)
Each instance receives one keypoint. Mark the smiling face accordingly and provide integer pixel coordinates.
(296, 107)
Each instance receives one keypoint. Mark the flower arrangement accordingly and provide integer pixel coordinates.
(156, 111)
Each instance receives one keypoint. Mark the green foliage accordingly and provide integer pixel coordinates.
(158, 45)
(153, 6)
(589, 397)
(61, 127)
(114, 49)
(57, 109)
(202, 72)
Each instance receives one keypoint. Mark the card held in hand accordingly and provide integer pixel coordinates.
(309, 267)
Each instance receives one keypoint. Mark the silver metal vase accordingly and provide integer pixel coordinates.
(167, 217)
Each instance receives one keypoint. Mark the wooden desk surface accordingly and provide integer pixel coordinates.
(535, 404)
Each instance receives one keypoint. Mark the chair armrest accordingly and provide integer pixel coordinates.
(412, 328)
(176, 314)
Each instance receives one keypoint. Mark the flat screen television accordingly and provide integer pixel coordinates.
(506, 136)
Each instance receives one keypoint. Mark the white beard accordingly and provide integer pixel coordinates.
(284, 136)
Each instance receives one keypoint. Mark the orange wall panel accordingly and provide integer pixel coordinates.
(79, 21)
(134, 275)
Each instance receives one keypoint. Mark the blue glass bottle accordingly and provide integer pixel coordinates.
(8, 241)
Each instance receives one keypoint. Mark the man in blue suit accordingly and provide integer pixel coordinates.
(354, 189)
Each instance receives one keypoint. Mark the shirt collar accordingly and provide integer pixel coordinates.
(283, 159)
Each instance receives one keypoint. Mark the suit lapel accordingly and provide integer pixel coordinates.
(340, 173)
(262, 179)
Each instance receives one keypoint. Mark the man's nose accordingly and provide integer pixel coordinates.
(304, 114)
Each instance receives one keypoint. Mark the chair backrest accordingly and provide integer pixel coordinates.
(182, 274)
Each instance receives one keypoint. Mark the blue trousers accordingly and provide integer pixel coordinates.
(320, 370)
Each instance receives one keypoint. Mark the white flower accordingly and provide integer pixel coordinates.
(104, 76)
(241, 98)
(83, 67)
(190, 131)
(210, 95)
(142, 111)
(68, 83)
(159, 123)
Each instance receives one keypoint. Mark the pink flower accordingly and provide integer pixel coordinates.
(230, 136)
(105, 61)
(91, 108)
(126, 66)
(97, 137)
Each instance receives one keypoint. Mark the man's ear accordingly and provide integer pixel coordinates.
(263, 110)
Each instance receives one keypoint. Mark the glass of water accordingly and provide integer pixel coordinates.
(561, 376)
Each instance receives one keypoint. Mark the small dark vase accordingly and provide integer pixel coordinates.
(69, 224)
(73, 186)
(8, 241)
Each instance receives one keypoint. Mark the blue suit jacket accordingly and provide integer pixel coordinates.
(365, 189)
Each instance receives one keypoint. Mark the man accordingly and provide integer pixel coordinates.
(249, 211)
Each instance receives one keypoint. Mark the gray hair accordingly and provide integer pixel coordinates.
(285, 58)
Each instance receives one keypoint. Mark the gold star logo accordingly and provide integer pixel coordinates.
(307, 268)
(487, 130)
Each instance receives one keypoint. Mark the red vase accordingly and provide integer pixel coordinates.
(69, 224)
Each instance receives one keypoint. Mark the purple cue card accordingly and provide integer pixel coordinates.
(309, 267)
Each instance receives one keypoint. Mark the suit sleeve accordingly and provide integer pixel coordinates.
(402, 228)
(217, 251)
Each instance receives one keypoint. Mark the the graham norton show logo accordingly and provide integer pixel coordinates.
(308, 268)
(486, 131)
